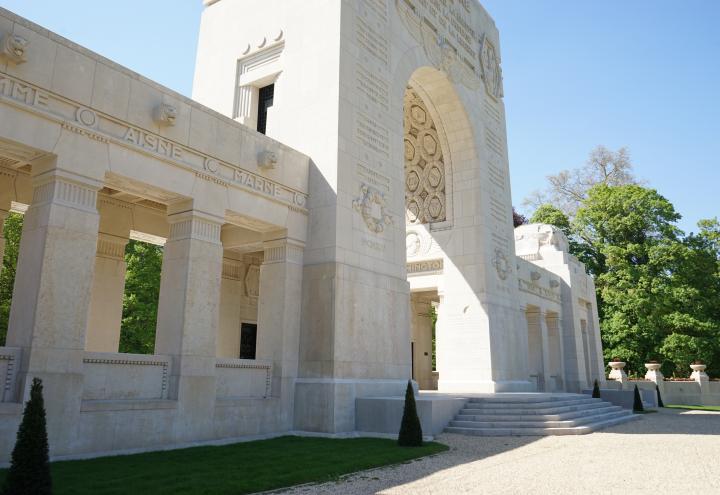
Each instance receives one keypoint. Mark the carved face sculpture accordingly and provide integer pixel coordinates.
(14, 47)
(169, 114)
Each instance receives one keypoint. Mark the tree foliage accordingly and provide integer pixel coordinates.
(142, 292)
(11, 233)
(30, 464)
(568, 189)
(658, 289)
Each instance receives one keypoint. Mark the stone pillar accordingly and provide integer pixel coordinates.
(655, 375)
(545, 339)
(52, 295)
(279, 307)
(702, 379)
(188, 315)
(105, 318)
(617, 372)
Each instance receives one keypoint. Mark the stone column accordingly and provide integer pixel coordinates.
(655, 375)
(105, 318)
(545, 339)
(188, 315)
(279, 307)
(52, 294)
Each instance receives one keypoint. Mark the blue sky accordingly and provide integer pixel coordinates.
(638, 73)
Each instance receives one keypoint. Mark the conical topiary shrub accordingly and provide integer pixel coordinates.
(637, 402)
(410, 429)
(660, 401)
(596, 390)
(30, 465)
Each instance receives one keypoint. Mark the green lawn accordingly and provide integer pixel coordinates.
(695, 408)
(230, 469)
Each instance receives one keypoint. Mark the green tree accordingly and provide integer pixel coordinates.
(657, 289)
(30, 464)
(12, 231)
(142, 292)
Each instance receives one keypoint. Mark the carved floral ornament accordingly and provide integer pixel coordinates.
(372, 207)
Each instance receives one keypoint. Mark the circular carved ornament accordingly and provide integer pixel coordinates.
(412, 244)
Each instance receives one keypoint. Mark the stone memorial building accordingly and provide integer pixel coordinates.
(339, 177)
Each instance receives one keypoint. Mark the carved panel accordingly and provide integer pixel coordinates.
(424, 164)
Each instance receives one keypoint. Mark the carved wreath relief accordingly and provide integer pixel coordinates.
(424, 164)
(371, 206)
(491, 70)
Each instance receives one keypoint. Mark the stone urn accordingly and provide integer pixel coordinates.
(698, 373)
(653, 372)
(617, 372)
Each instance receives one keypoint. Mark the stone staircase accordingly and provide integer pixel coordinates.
(536, 414)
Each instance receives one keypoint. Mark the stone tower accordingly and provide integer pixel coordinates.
(398, 103)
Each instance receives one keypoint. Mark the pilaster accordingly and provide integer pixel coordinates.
(279, 308)
(52, 295)
(188, 315)
(545, 339)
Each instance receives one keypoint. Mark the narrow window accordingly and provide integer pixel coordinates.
(265, 102)
(248, 340)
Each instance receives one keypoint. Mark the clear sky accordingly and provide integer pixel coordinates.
(638, 73)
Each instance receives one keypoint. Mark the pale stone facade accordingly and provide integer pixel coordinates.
(390, 196)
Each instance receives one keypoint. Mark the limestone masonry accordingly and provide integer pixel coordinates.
(340, 172)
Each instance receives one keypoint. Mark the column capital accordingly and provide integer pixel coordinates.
(285, 250)
(194, 224)
(111, 246)
(65, 188)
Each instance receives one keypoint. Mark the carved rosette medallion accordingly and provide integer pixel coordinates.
(372, 207)
(501, 263)
(424, 164)
(491, 70)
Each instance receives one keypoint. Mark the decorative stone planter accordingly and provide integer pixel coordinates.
(617, 373)
(653, 372)
(698, 373)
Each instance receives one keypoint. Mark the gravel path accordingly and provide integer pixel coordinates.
(667, 452)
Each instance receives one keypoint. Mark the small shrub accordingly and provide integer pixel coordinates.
(30, 465)
(410, 429)
(596, 390)
(660, 401)
(637, 402)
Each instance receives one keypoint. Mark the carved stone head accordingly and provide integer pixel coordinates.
(14, 48)
(165, 114)
(267, 160)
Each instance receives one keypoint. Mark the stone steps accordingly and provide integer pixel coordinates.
(540, 415)
(534, 417)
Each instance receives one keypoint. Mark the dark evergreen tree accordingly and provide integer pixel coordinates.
(637, 402)
(410, 429)
(596, 390)
(660, 401)
(30, 465)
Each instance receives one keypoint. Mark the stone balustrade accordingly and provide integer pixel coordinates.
(243, 378)
(114, 376)
(9, 363)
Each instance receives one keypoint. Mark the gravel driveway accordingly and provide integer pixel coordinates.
(671, 451)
